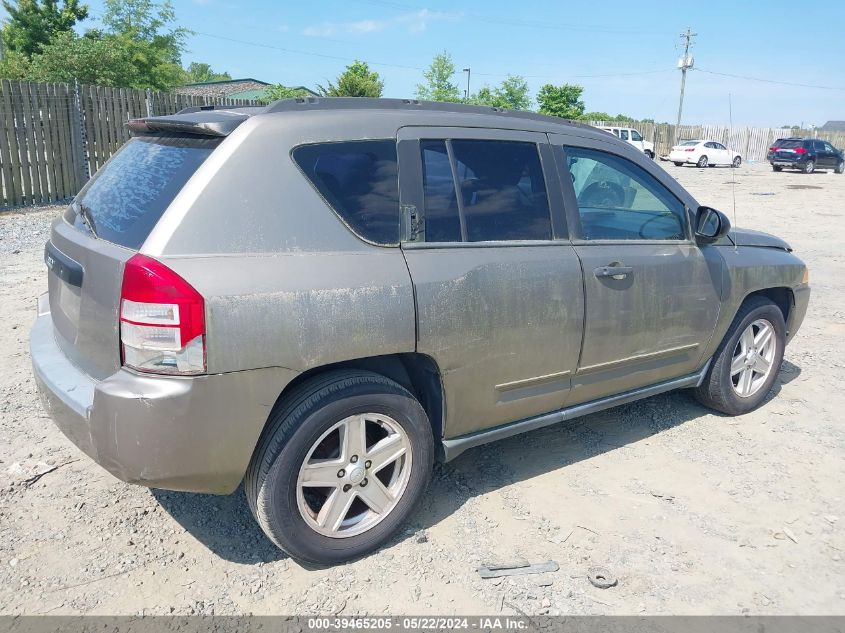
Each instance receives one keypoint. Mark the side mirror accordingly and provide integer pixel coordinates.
(710, 225)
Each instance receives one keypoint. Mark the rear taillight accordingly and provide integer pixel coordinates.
(773, 149)
(162, 320)
(690, 149)
(800, 150)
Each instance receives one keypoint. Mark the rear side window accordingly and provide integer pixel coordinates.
(128, 196)
(502, 191)
(359, 180)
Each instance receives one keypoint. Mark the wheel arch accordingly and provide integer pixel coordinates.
(781, 296)
(418, 373)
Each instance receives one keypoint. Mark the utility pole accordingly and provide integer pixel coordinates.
(685, 63)
(466, 94)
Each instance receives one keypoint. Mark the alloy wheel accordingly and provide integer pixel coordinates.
(753, 358)
(354, 475)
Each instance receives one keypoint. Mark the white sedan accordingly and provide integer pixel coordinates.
(703, 154)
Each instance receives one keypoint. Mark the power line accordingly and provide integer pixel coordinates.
(770, 81)
(408, 67)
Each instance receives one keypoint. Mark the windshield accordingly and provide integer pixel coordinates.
(126, 198)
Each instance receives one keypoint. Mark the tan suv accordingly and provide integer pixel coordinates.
(320, 297)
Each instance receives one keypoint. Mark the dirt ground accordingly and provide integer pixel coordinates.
(694, 513)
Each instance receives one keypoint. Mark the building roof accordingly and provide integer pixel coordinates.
(224, 88)
(833, 126)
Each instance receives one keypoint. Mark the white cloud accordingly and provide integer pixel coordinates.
(411, 22)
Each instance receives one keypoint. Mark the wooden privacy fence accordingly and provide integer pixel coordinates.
(54, 136)
(751, 142)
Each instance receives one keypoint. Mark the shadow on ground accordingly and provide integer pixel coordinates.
(225, 524)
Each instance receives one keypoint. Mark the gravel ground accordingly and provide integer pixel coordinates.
(694, 513)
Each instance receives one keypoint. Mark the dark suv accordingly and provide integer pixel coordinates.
(806, 154)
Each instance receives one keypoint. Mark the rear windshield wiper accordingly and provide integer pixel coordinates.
(87, 217)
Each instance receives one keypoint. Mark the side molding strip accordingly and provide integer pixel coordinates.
(457, 445)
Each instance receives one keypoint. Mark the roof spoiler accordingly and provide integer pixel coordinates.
(201, 121)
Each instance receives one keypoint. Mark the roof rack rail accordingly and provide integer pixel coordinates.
(367, 103)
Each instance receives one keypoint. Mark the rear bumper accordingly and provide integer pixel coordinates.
(195, 434)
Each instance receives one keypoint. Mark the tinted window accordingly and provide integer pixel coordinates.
(791, 144)
(818, 146)
(442, 222)
(503, 194)
(690, 143)
(619, 200)
(719, 146)
(359, 179)
(635, 136)
(623, 134)
(128, 196)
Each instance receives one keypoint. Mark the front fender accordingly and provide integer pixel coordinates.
(750, 269)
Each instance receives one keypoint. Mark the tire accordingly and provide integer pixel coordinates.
(677, 164)
(302, 424)
(777, 168)
(737, 161)
(840, 167)
(702, 162)
(649, 154)
(718, 390)
(809, 167)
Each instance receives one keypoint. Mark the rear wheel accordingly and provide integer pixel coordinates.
(702, 162)
(737, 161)
(747, 362)
(650, 154)
(840, 167)
(777, 168)
(340, 467)
(809, 167)
(678, 164)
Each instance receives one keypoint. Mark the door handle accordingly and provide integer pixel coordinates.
(615, 272)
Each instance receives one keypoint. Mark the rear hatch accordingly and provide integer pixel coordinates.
(106, 224)
(786, 150)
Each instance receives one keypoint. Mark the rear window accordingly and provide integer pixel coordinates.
(128, 196)
(359, 180)
(690, 143)
(790, 144)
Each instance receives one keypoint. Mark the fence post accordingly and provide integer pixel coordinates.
(149, 100)
(79, 142)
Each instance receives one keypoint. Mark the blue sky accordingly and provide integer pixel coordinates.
(548, 42)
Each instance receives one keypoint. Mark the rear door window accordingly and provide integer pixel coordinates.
(502, 191)
(359, 180)
(128, 196)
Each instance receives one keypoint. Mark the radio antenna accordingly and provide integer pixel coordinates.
(730, 144)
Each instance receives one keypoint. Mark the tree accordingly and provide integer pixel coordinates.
(33, 23)
(357, 80)
(438, 86)
(563, 101)
(604, 116)
(198, 72)
(511, 94)
(90, 59)
(146, 30)
(278, 91)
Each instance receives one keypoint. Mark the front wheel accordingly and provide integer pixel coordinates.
(343, 462)
(777, 168)
(737, 161)
(678, 164)
(650, 154)
(702, 162)
(747, 362)
(809, 167)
